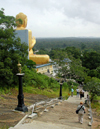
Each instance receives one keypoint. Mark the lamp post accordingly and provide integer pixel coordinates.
(60, 94)
(20, 106)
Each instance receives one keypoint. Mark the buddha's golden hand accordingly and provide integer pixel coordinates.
(33, 41)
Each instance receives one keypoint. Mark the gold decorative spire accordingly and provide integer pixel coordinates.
(19, 67)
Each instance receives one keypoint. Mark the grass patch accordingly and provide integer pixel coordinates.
(65, 93)
(4, 127)
(4, 91)
(31, 89)
(2, 98)
(96, 105)
(47, 92)
(98, 97)
(12, 91)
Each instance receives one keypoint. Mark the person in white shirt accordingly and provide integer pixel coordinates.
(77, 90)
(81, 112)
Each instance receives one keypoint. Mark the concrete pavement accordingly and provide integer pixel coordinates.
(76, 99)
(48, 125)
(42, 125)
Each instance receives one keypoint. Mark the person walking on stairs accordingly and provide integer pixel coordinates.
(81, 94)
(77, 90)
(81, 110)
(72, 90)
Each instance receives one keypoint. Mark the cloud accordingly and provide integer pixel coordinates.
(82, 9)
(47, 18)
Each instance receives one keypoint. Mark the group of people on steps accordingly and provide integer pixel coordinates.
(79, 92)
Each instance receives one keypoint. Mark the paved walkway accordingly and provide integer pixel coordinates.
(45, 122)
(42, 125)
(76, 99)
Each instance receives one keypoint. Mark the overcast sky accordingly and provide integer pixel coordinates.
(58, 18)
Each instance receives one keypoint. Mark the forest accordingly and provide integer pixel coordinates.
(85, 62)
(87, 43)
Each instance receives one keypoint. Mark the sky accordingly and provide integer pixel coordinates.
(57, 18)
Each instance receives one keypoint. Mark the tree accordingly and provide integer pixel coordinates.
(98, 72)
(72, 70)
(30, 64)
(57, 54)
(93, 87)
(11, 51)
(63, 70)
(75, 52)
(43, 51)
(93, 73)
(77, 71)
(60, 57)
(83, 46)
(91, 60)
(41, 81)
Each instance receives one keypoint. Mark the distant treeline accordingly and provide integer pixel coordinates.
(82, 43)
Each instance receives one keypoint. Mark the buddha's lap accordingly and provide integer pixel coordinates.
(39, 59)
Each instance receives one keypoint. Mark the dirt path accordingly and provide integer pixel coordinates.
(9, 102)
(63, 114)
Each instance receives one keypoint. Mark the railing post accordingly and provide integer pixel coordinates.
(21, 106)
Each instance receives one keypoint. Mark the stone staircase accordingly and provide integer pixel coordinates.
(36, 110)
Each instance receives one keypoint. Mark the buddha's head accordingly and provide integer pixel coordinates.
(23, 17)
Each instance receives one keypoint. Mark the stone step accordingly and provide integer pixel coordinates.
(43, 125)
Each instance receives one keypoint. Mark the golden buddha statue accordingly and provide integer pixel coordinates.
(38, 59)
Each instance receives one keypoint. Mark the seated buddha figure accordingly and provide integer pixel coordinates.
(38, 59)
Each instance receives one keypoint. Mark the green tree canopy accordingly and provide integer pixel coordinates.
(83, 46)
(91, 60)
(77, 71)
(75, 52)
(57, 54)
(11, 50)
(30, 64)
(93, 86)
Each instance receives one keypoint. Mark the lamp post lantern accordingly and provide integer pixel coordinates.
(20, 106)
